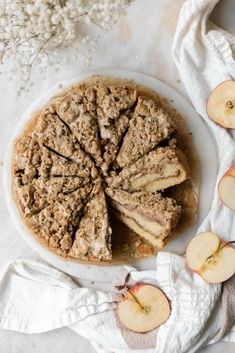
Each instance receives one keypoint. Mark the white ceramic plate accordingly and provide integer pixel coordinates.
(205, 149)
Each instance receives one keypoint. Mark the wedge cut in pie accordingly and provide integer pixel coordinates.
(147, 214)
(82, 122)
(100, 138)
(93, 237)
(158, 170)
(113, 113)
(150, 125)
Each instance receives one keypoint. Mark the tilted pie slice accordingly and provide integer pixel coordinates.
(114, 114)
(93, 238)
(149, 126)
(157, 170)
(149, 215)
(80, 116)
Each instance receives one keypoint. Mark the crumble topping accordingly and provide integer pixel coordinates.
(149, 126)
(93, 237)
(92, 136)
(159, 169)
(113, 114)
(80, 115)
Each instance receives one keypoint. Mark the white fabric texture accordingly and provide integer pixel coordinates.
(204, 55)
(36, 298)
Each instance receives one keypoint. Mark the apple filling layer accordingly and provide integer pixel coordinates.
(149, 215)
(158, 170)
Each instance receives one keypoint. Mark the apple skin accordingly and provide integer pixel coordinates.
(229, 173)
(208, 102)
(134, 290)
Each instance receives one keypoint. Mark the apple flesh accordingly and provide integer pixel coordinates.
(211, 258)
(143, 308)
(226, 188)
(221, 104)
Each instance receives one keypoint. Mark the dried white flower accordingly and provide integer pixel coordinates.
(31, 30)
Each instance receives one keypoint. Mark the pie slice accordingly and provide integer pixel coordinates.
(56, 188)
(35, 196)
(56, 224)
(157, 170)
(55, 165)
(82, 122)
(54, 228)
(149, 126)
(26, 160)
(112, 139)
(53, 134)
(114, 114)
(149, 215)
(93, 238)
(112, 100)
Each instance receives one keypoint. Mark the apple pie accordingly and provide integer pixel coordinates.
(99, 149)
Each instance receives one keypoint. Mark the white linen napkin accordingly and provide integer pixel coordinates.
(203, 54)
(36, 298)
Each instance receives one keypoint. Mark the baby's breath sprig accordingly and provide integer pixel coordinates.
(32, 31)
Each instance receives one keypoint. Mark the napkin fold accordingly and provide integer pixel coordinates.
(203, 54)
(36, 298)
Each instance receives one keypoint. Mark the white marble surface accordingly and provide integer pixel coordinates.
(141, 41)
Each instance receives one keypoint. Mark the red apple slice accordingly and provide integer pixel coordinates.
(221, 104)
(226, 188)
(143, 308)
(220, 267)
(210, 257)
(200, 248)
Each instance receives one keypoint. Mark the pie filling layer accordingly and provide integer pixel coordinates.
(150, 229)
(132, 224)
(154, 182)
(157, 170)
